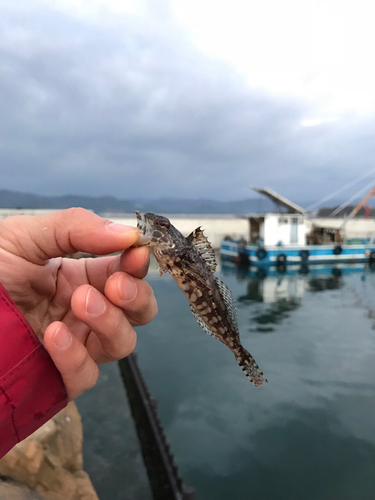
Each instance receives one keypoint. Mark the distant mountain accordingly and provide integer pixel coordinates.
(14, 199)
(110, 204)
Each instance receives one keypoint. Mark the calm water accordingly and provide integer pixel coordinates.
(310, 432)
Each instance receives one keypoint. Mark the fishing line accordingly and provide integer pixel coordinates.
(354, 197)
(340, 190)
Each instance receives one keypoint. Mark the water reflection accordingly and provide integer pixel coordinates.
(228, 268)
(289, 459)
(283, 288)
(272, 289)
(326, 283)
(277, 312)
(309, 433)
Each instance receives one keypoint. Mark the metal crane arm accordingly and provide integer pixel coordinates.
(355, 210)
(361, 203)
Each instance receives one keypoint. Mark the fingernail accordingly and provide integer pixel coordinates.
(121, 228)
(95, 303)
(62, 337)
(127, 288)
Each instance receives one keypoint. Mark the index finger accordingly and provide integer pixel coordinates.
(40, 238)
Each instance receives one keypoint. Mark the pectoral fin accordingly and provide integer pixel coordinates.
(230, 303)
(203, 325)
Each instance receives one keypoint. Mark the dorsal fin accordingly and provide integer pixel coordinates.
(199, 240)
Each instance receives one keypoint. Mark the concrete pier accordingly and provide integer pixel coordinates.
(218, 226)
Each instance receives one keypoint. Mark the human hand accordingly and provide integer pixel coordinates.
(83, 310)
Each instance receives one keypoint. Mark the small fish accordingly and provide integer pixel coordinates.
(191, 262)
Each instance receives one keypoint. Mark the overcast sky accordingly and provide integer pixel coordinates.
(187, 98)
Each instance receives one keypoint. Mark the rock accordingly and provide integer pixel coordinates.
(50, 460)
(67, 443)
(44, 433)
(10, 490)
(84, 485)
(34, 455)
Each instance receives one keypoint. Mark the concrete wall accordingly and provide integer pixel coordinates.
(218, 226)
(10, 212)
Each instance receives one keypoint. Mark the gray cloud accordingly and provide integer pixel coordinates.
(129, 108)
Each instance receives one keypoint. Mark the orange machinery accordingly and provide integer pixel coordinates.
(355, 210)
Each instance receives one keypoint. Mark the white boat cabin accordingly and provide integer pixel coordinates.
(281, 229)
(287, 228)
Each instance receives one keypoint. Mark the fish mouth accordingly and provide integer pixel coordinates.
(142, 227)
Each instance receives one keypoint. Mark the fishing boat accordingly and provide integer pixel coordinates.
(291, 237)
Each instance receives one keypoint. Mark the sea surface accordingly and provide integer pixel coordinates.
(308, 434)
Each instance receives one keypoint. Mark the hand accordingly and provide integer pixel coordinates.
(84, 310)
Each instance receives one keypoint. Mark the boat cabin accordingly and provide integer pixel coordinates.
(277, 229)
(285, 228)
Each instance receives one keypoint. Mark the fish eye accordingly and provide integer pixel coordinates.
(163, 223)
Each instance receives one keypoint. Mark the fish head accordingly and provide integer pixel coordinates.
(157, 231)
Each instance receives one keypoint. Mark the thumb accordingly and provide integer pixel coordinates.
(78, 370)
(39, 238)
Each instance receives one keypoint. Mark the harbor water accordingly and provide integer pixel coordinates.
(309, 433)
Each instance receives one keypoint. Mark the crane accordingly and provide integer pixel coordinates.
(355, 210)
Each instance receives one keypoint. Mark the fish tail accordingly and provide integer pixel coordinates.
(249, 366)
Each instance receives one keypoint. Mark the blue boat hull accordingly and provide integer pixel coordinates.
(309, 254)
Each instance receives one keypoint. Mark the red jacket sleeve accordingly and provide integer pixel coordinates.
(31, 387)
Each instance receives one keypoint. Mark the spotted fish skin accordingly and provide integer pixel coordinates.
(191, 262)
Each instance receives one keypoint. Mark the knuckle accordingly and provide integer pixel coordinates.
(113, 267)
(75, 212)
